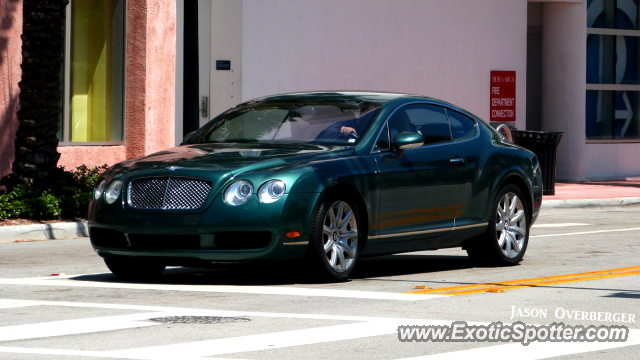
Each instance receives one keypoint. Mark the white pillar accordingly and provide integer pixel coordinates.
(564, 68)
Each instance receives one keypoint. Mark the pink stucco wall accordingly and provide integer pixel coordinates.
(151, 48)
(91, 156)
(136, 78)
(10, 73)
(150, 86)
(160, 71)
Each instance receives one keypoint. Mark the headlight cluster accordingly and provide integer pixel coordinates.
(238, 193)
(99, 189)
(113, 191)
(271, 191)
(241, 191)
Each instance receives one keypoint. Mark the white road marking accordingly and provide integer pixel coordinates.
(263, 341)
(78, 326)
(95, 354)
(262, 290)
(362, 328)
(586, 232)
(558, 225)
(176, 311)
(8, 303)
(533, 351)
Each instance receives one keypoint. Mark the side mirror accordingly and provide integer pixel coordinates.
(407, 140)
(186, 136)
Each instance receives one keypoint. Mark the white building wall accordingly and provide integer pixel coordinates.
(564, 78)
(564, 100)
(612, 161)
(226, 44)
(443, 49)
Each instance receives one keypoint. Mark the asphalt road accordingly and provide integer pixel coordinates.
(279, 314)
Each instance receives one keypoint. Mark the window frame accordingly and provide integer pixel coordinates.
(385, 126)
(611, 87)
(475, 125)
(66, 110)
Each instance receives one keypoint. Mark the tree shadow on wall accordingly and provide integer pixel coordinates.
(7, 10)
(9, 105)
(8, 128)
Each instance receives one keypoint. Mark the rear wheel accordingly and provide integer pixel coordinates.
(336, 241)
(134, 269)
(507, 236)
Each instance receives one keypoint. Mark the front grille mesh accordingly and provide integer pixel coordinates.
(168, 193)
(147, 193)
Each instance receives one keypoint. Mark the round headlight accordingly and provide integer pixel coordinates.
(113, 191)
(238, 193)
(99, 189)
(271, 191)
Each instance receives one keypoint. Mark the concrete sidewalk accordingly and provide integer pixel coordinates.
(36, 232)
(596, 193)
(596, 190)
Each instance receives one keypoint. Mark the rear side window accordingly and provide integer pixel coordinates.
(428, 120)
(462, 126)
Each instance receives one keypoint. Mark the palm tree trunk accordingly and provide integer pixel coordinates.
(43, 40)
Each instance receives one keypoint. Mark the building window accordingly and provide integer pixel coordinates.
(613, 70)
(94, 72)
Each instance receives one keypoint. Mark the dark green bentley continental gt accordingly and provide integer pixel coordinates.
(326, 177)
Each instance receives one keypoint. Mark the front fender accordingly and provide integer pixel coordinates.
(356, 174)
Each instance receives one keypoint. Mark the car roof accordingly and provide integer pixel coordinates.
(368, 96)
(376, 97)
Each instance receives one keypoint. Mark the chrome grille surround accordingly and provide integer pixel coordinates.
(168, 193)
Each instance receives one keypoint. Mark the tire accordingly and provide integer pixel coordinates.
(500, 244)
(134, 269)
(334, 249)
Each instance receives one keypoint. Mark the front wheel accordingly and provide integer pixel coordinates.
(131, 269)
(336, 241)
(507, 236)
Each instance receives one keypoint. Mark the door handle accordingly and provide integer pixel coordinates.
(204, 110)
(457, 161)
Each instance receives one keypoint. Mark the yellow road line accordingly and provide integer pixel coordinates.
(541, 283)
(523, 281)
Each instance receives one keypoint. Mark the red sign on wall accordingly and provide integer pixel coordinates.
(503, 96)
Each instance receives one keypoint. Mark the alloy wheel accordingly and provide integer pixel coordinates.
(511, 225)
(340, 236)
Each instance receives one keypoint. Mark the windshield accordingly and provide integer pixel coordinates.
(322, 122)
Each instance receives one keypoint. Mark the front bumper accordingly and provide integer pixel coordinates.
(291, 213)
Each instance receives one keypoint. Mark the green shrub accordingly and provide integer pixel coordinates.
(24, 202)
(68, 195)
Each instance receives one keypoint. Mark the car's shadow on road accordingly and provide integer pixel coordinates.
(383, 268)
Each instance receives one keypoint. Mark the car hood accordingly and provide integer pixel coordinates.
(221, 162)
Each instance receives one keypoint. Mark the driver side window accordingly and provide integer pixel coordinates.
(429, 120)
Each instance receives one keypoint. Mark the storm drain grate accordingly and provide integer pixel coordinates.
(198, 320)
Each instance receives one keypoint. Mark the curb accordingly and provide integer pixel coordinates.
(587, 203)
(55, 231)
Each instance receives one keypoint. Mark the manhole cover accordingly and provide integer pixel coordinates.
(198, 320)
